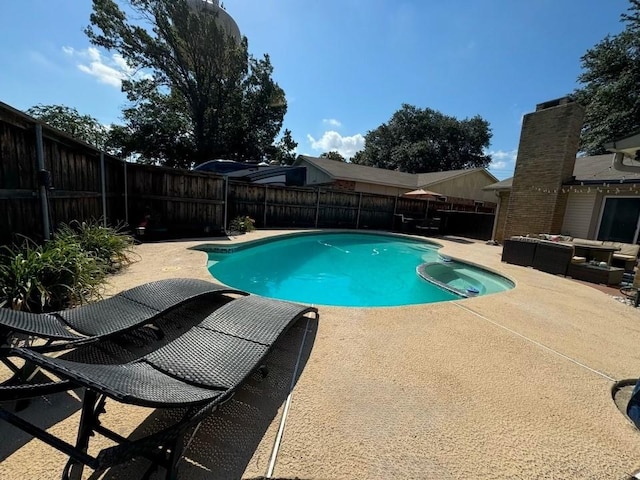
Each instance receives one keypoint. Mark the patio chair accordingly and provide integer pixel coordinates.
(519, 250)
(121, 313)
(552, 257)
(196, 372)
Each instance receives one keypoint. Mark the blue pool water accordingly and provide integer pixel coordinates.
(346, 269)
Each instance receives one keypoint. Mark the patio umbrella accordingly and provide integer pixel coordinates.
(424, 194)
(421, 193)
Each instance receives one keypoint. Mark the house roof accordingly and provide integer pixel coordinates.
(502, 185)
(629, 145)
(432, 178)
(361, 173)
(595, 169)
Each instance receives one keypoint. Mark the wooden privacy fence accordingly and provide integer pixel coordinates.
(48, 178)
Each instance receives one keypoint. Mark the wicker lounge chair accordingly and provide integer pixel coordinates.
(196, 372)
(121, 313)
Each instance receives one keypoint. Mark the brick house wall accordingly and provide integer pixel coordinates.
(546, 158)
(501, 218)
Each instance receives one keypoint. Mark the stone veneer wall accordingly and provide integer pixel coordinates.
(546, 157)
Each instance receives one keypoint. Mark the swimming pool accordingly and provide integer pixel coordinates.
(343, 269)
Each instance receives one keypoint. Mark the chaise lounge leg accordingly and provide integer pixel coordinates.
(74, 468)
(177, 450)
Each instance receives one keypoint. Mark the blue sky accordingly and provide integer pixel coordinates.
(345, 65)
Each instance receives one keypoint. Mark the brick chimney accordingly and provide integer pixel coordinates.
(547, 152)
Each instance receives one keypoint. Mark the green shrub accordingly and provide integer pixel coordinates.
(69, 269)
(242, 224)
(109, 245)
(37, 278)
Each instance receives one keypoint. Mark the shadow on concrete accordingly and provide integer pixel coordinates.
(46, 411)
(225, 442)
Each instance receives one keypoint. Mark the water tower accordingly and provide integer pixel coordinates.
(224, 20)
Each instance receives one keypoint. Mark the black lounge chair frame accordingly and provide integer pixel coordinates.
(197, 372)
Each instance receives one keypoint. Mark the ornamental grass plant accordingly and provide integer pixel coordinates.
(110, 245)
(68, 270)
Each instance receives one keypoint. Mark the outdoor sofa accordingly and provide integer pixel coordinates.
(543, 255)
(194, 373)
(626, 257)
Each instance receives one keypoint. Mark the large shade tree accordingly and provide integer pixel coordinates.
(284, 150)
(198, 94)
(69, 120)
(419, 140)
(333, 155)
(610, 90)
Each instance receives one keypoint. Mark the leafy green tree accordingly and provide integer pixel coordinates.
(610, 89)
(158, 131)
(333, 155)
(200, 94)
(424, 140)
(70, 121)
(284, 149)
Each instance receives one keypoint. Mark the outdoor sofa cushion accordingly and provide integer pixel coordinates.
(628, 251)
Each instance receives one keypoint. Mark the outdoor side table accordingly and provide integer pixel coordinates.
(596, 274)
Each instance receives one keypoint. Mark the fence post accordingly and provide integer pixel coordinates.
(226, 199)
(317, 207)
(103, 182)
(126, 193)
(264, 217)
(395, 209)
(358, 217)
(44, 201)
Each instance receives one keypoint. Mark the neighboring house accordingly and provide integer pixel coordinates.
(552, 191)
(460, 184)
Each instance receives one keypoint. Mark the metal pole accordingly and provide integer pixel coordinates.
(495, 219)
(226, 199)
(317, 207)
(126, 195)
(358, 217)
(103, 181)
(264, 217)
(395, 209)
(44, 203)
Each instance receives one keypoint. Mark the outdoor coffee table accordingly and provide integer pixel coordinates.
(595, 274)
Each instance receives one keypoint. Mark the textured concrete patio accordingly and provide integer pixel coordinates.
(506, 386)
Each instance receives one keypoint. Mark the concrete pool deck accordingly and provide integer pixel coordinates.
(512, 385)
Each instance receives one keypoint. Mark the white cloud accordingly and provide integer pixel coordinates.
(502, 162)
(110, 70)
(332, 140)
(332, 122)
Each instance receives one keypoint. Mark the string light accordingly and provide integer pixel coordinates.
(605, 188)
